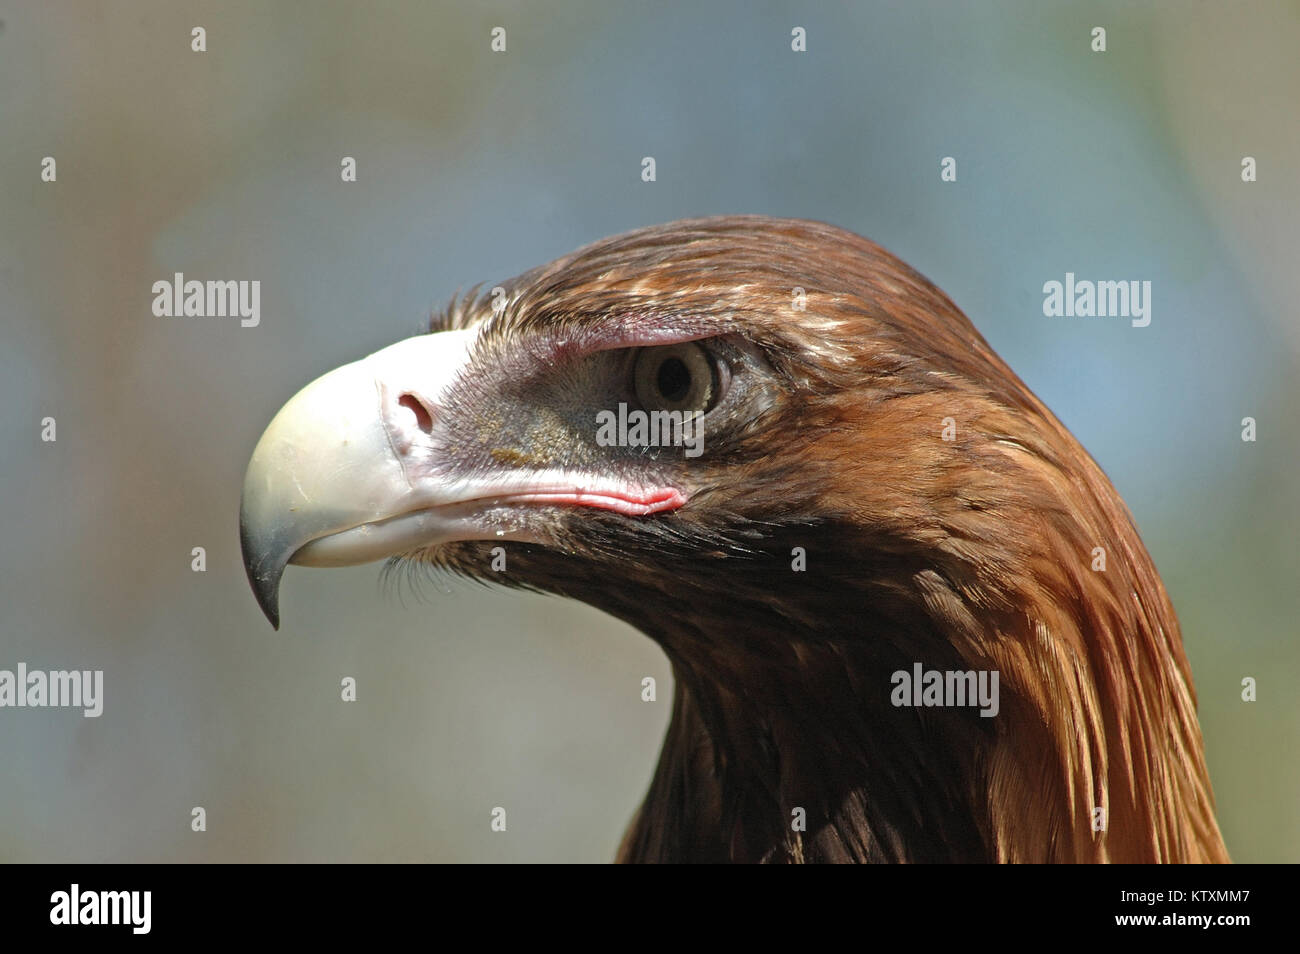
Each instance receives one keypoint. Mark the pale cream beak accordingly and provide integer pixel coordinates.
(328, 483)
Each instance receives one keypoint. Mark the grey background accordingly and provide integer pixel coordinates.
(474, 166)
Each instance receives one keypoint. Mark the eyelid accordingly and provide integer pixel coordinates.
(606, 338)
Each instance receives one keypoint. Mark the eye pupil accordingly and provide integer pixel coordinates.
(673, 379)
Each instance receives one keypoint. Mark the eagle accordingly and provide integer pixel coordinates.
(853, 491)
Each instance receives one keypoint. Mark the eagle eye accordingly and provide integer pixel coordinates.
(677, 377)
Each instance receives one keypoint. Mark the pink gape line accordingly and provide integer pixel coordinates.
(626, 502)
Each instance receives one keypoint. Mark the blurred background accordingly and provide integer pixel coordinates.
(474, 166)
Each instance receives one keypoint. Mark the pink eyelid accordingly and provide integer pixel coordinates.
(628, 337)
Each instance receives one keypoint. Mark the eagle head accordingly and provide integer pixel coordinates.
(790, 460)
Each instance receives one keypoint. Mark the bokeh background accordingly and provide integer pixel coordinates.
(474, 166)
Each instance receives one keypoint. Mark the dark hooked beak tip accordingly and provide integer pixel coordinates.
(264, 571)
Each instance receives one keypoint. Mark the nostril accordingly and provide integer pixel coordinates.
(423, 419)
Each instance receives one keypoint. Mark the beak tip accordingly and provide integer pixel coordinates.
(264, 573)
(266, 589)
(272, 617)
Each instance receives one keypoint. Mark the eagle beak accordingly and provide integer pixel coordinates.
(328, 483)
